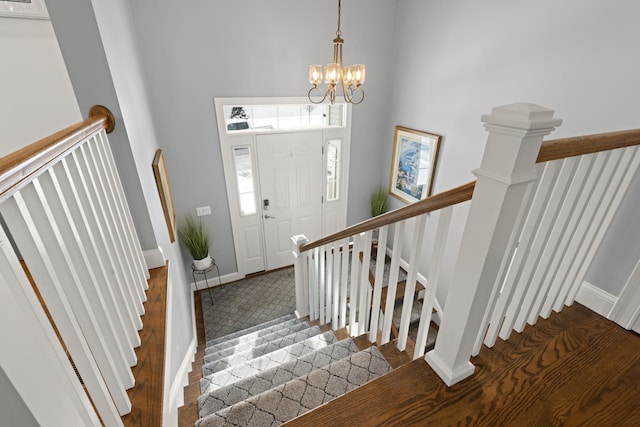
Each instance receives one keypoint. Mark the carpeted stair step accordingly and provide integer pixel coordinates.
(251, 329)
(261, 350)
(302, 394)
(416, 310)
(250, 335)
(270, 378)
(248, 345)
(270, 360)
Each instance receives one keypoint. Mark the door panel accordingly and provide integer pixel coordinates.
(291, 181)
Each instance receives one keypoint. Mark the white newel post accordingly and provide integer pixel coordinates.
(302, 288)
(508, 165)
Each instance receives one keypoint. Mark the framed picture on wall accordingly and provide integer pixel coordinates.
(164, 189)
(34, 9)
(413, 164)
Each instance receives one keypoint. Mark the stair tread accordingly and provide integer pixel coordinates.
(250, 336)
(260, 350)
(251, 329)
(248, 345)
(253, 366)
(302, 394)
(270, 378)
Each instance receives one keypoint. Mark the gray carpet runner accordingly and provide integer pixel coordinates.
(248, 345)
(249, 334)
(270, 360)
(270, 378)
(261, 350)
(271, 373)
(295, 397)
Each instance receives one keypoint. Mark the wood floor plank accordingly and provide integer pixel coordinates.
(147, 394)
(575, 368)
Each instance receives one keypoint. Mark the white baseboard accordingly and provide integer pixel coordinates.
(213, 281)
(174, 397)
(595, 299)
(154, 258)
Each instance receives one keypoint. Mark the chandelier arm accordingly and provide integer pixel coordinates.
(317, 102)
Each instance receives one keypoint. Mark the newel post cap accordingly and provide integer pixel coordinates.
(521, 116)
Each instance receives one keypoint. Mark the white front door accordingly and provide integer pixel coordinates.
(291, 190)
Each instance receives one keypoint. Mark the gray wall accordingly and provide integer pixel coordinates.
(457, 60)
(258, 49)
(13, 409)
(101, 52)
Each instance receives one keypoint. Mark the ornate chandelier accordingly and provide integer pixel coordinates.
(349, 78)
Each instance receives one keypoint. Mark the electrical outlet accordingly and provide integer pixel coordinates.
(203, 210)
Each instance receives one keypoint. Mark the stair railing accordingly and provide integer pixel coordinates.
(66, 218)
(529, 241)
(537, 215)
(334, 281)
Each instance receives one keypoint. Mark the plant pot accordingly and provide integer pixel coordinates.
(202, 264)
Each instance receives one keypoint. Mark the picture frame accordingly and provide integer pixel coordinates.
(30, 9)
(413, 164)
(164, 190)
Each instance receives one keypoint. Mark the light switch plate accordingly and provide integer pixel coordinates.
(203, 210)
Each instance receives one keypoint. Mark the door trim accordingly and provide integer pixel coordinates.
(227, 141)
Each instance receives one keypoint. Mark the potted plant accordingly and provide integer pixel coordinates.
(194, 238)
(379, 201)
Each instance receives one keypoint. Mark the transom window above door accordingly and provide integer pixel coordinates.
(239, 118)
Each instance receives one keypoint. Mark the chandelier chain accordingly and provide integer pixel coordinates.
(338, 32)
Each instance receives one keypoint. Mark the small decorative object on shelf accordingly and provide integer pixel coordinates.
(212, 265)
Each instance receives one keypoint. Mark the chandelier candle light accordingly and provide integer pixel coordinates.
(350, 78)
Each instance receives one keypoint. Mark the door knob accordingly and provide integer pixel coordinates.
(267, 216)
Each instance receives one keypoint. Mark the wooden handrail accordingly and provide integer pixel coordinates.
(578, 145)
(433, 203)
(19, 166)
(550, 150)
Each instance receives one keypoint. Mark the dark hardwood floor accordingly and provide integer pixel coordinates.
(147, 394)
(574, 369)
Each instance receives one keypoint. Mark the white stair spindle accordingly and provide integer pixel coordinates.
(137, 249)
(36, 254)
(353, 285)
(335, 254)
(364, 283)
(571, 211)
(392, 285)
(377, 283)
(619, 184)
(595, 182)
(410, 286)
(96, 174)
(322, 285)
(439, 245)
(344, 281)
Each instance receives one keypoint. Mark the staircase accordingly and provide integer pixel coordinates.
(278, 370)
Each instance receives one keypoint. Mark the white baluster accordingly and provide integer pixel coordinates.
(335, 254)
(392, 285)
(410, 287)
(328, 253)
(29, 336)
(618, 186)
(322, 285)
(301, 276)
(353, 285)
(344, 281)
(572, 208)
(94, 215)
(533, 275)
(96, 174)
(83, 280)
(377, 283)
(439, 245)
(85, 214)
(365, 286)
(580, 224)
(37, 255)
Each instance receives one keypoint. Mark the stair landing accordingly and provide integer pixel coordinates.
(575, 368)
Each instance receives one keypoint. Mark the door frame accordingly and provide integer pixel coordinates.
(248, 138)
